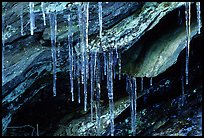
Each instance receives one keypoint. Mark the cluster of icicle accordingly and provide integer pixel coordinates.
(188, 37)
(92, 67)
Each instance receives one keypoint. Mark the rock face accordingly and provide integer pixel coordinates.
(27, 59)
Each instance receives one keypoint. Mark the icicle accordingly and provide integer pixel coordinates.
(102, 69)
(81, 29)
(116, 50)
(43, 13)
(58, 55)
(32, 17)
(97, 77)
(3, 49)
(150, 82)
(53, 25)
(182, 86)
(87, 40)
(72, 69)
(114, 65)
(134, 84)
(133, 103)
(100, 18)
(131, 96)
(99, 69)
(198, 16)
(79, 90)
(83, 20)
(58, 50)
(98, 112)
(37, 130)
(111, 106)
(95, 63)
(92, 82)
(70, 56)
(104, 62)
(78, 66)
(107, 69)
(85, 95)
(74, 65)
(78, 79)
(188, 18)
(84, 53)
(127, 83)
(21, 18)
(110, 91)
(71, 77)
(119, 66)
(141, 83)
(179, 17)
(87, 68)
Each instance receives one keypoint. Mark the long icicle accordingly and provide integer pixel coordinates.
(114, 64)
(70, 55)
(97, 79)
(110, 91)
(43, 13)
(135, 105)
(86, 16)
(188, 18)
(81, 29)
(78, 79)
(198, 16)
(87, 40)
(130, 89)
(32, 18)
(3, 49)
(92, 82)
(98, 91)
(53, 28)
